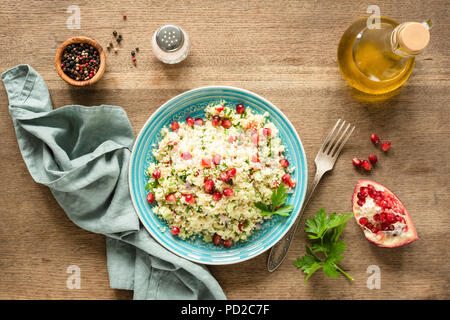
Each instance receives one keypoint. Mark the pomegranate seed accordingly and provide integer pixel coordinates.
(385, 205)
(374, 230)
(231, 172)
(383, 217)
(226, 123)
(284, 163)
(217, 239)
(171, 198)
(189, 198)
(363, 221)
(287, 179)
(385, 146)
(364, 191)
(156, 174)
(366, 165)
(390, 217)
(199, 122)
(240, 108)
(172, 143)
(190, 121)
(216, 159)
(174, 230)
(215, 121)
(375, 139)
(124, 16)
(231, 139)
(220, 109)
(376, 217)
(373, 158)
(206, 163)
(255, 158)
(224, 176)
(360, 202)
(361, 196)
(175, 126)
(227, 243)
(209, 186)
(267, 131)
(217, 196)
(150, 198)
(186, 156)
(228, 192)
(369, 225)
(356, 162)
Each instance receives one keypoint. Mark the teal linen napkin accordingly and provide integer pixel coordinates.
(82, 154)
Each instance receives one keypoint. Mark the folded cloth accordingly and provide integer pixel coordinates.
(82, 154)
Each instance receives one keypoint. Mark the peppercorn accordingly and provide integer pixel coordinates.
(115, 33)
(119, 38)
(133, 53)
(80, 61)
(124, 16)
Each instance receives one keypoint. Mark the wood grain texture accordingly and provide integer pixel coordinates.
(282, 50)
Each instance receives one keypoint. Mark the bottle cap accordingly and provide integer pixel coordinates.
(413, 37)
(169, 38)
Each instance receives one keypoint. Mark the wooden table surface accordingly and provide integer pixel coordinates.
(282, 50)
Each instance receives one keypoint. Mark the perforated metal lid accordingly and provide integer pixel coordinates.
(170, 38)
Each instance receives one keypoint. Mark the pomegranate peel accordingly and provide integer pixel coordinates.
(382, 216)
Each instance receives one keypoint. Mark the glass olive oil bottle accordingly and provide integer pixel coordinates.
(379, 60)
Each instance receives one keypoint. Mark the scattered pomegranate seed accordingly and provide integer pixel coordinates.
(171, 197)
(356, 162)
(174, 126)
(228, 192)
(215, 121)
(206, 163)
(227, 243)
(287, 179)
(186, 156)
(284, 163)
(240, 108)
(216, 159)
(150, 198)
(385, 146)
(224, 176)
(267, 132)
(174, 230)
(220, 109)
(189, 198)
(190, 121)
(156, 174)
(231, 172)
(217, 196)
(366, 165)
(375, 139)
(217, 239)
(209, 185)
(373, 158)
(199, 122)
(226, 123)
(124, 16)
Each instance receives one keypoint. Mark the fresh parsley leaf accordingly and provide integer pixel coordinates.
(324, 232)
(278, 206)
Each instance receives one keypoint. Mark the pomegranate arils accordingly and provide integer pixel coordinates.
(375, 139)
(224, 176)
(206, 163)
(216, 159)
(156, 174)
(267, 131)
(190, 121)
(228, 192)
(366, 165)
(186, 156)
(217, 196)
(199, 122)
(150, 198)
(189, 198)
(356, 162)
(385, 146)
(174, 230)
(284, 163)
(217, 239)
(226, 123)
(363, 221)
(174, 126)
(171, 198)
(227, 243)
(231, 172)
(215, 121)
(209, 185)
(373, 158)
(240, 108)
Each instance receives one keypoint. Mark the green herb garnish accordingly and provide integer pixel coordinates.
(324, 233)
(278, 206)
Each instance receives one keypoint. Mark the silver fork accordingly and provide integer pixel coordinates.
(325, 160)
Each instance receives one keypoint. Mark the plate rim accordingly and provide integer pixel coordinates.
(141, 132)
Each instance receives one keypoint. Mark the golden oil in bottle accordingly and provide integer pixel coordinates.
(379, 59)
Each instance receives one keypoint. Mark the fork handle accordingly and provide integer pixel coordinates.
(280, 249)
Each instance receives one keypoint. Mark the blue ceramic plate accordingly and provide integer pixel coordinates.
(192, 103)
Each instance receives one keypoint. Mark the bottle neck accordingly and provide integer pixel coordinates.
(409, 39)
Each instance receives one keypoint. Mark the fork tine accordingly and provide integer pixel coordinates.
(343, 143)
(331, 144)
(329, 135)
(336, 145)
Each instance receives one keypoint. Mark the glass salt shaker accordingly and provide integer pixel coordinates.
(171, 44)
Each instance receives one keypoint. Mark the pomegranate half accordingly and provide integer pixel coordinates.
(381, 215)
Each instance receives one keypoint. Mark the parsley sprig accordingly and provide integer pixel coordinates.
(278, 206)
(324, 233)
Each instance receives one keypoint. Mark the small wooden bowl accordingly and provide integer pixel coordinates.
(91, 42)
